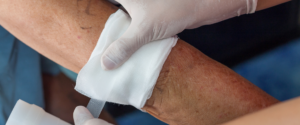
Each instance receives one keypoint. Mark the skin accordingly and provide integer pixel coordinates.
(194, 89)
(54, 28)
(263, 4)
(62, 30)
(286, 113)
(191, 88)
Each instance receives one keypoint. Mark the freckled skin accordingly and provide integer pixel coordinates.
(185, 91)
(52, 27)
(208, 94)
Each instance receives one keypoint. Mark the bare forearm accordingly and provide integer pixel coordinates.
(65, 31)
(55, 28)
(264, 4)
(196, 90)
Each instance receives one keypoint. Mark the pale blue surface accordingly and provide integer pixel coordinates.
(277, 72)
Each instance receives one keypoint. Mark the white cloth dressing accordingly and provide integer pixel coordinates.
(133, 82)
(158, 19)
(29, 114)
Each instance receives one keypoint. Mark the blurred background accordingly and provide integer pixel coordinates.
(263, 47)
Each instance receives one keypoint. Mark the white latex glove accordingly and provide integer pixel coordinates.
(82, 116)
(158, 19)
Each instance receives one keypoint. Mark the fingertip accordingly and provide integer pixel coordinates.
(107, 63)
(97, 122)
(121, 50)
(81, 115)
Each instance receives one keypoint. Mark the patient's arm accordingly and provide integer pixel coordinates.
(191, 89)
(194, 89)
(56, 28)
(65, 31)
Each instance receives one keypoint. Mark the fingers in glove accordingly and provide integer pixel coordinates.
(81, 115)
(123, 48)
(97, 122)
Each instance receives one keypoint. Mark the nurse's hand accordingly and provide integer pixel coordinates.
(82, 116)
(159, 19)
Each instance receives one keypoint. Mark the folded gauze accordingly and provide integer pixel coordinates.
(133, 82)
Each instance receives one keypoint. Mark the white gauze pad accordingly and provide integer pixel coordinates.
(133, 82)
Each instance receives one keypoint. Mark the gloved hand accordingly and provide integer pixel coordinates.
(158, 19)
(82, 116)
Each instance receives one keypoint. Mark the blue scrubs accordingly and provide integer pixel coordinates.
(20, 74)
(277, 72)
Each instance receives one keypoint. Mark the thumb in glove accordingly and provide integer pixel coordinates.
(82, 116)
(122, 49)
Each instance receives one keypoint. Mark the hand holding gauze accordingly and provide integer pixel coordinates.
(158, 19)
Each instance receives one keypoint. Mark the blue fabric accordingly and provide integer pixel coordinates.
(72, 75)
(139, 118)
(277, 72)
(20, 75)
(49, 67)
